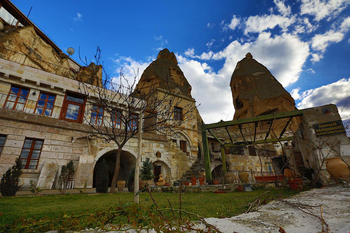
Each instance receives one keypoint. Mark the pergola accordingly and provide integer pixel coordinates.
(270, 118)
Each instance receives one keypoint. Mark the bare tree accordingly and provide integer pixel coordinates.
(116, 113)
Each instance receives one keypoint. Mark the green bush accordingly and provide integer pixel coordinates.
(102, 178)
(67, 172)
(131, 180)
(146, 171)
(10, 180)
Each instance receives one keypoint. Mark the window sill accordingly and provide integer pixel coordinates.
(30, 171)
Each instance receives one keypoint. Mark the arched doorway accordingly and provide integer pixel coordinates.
(217, 173)
(159, 167)
(127, 164)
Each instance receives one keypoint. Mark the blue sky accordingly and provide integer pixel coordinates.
(305, 43)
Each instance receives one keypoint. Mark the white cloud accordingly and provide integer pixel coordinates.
(189, 52)
(283, 55)
(321, 41)
(282, 8)
(262, 23)
(310, 71)
(210, 43)
(210, 25)
(323, 8)
(336, 93)
(234, 22)
(130, 69)
(345, 26)
(295, 93)
(208, 91)
(316, 57)
(78, 18)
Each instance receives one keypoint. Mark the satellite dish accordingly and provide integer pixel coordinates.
(70, 51)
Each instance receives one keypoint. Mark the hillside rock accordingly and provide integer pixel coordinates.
(165, 73)
(256, 91)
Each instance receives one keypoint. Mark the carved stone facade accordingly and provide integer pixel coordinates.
(39, 90)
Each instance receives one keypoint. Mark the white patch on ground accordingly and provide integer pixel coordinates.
(335, 203)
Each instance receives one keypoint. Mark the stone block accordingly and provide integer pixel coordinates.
(8, 159)
(47, 175)
(13, 151)
(64, 149)
(16, 137)
(8, 131)
(60, 137)
(14, 143)
(77, 150)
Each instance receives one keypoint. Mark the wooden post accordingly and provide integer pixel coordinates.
(223, 159)
(206, 154)
(137, 165)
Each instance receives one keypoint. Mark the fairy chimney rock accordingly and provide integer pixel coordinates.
(256, 92)
(165, 73)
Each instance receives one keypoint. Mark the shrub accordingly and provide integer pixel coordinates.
(67, 172)
(33, 188)
(146, 171)
(102, 178)
(10, 180)
(131, 180)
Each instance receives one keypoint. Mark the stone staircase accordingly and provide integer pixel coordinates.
(196, 170)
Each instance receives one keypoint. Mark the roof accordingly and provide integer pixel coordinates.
(23, 19)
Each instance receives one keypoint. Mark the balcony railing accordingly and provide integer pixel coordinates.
(30, 106)
(35, 61)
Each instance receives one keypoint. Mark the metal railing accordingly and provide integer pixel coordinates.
(34, 60)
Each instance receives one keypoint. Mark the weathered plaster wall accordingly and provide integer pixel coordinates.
(315, 149)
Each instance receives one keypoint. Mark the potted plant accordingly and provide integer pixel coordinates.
(295, 183)
(146, 171)
(194, 180)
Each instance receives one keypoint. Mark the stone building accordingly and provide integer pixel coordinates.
(43, 113)
(269, 134)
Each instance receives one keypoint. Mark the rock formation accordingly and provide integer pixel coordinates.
(165, 73)
(33, 51)
(256, 92)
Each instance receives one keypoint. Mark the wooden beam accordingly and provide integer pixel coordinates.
(215, 137)
(255, 126)
(223, 159)
(285, 127)
(240, 130)
(229, 134)
(268, 132)
(255, 119)
(261, 141)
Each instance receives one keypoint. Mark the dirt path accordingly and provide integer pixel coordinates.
(299, 214)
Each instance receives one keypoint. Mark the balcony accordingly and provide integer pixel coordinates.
(29, 106)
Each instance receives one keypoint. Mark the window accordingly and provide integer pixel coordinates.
(17, 98)
(45, 104)
(133, 122)
(183, 146)
(2, 142)
(73, 108)
(31, 153)
(116, 119)
(96, 115)
(177, 113)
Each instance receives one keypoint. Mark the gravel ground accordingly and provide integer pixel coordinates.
(299, 214)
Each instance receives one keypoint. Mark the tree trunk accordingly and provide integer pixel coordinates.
(116, 171)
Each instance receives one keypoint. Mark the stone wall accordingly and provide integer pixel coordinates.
(315, 149)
